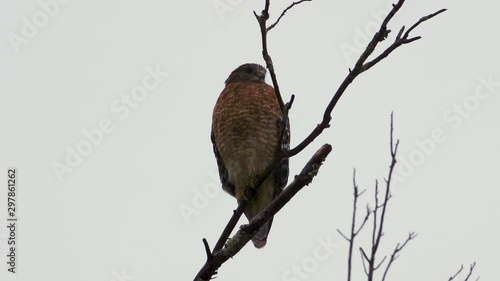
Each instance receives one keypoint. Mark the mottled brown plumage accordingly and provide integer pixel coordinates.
(246, 134)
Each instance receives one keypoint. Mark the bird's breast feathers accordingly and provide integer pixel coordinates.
(245, 125)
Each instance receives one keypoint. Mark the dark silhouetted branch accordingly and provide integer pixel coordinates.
(230, 225)
(361, 67)
(246, 232)
(379, 219)
(395, 253)
(262, 19)
(457, 273)
(354, 231)
(469, 274)
(370, 258)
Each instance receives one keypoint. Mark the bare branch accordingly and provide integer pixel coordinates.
(401, 39)
(250, 192)
(369, 261)
(395, 253)
(284, 12)
(380, 263)
(230, 225)
(471, 269)
(365, 219)
(207, 249)
(456, 274)
(469, 274)
(375, 217)
(246, 232)
(360, 67)
(262, 20)
(354, 232)
(342, 234)
(421, 20)
(364, 258)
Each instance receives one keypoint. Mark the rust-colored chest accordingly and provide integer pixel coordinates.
(246, 128)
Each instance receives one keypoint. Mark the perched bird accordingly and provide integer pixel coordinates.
(246, 133)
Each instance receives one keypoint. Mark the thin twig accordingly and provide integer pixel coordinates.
(262, 20)
(395, 253)
(367, 216)
(354, 232)
(471, 269)
(363, 258)
(400, 40)
(284, 12)
(374, 244)
(379, 264)
(207, 249)
(469, 274)
(456, 274)
(380, 231)
(342, 234)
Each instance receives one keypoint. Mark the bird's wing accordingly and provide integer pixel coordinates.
(223, 175)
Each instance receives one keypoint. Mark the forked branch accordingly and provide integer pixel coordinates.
(360, 67)
(370, 258)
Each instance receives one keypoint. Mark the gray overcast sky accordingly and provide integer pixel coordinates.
(117, 96)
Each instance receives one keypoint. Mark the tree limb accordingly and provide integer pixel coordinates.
(378, 221)
(361, 67)
(354, 232)
(246, 232)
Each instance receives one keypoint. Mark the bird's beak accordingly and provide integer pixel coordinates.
(262, 74)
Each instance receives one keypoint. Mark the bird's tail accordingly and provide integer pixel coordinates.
(263, 198)
(260, 238)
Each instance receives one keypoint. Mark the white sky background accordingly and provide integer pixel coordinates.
(116, 215)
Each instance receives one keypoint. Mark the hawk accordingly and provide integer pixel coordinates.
(247, 124)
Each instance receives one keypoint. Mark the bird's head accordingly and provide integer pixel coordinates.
(249, 72)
